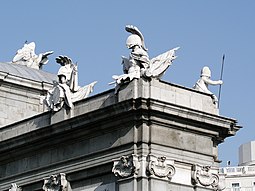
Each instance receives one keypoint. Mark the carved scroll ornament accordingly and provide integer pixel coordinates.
(56, 183)
(161, 167)
(206, 177)
(126, 166)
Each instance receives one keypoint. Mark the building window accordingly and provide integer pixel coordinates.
(235, 187)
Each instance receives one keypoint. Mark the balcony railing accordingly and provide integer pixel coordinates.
(240, 189)
(239, 170)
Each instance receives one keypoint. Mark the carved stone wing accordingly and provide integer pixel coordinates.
(160, 63)
(46, 54)
(63, 60)
(83, 92)
(134, 30)
(44, 59)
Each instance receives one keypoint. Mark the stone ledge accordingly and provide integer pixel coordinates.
(169, 93)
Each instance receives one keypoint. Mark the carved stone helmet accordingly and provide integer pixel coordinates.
(206, 72)
(133, 40)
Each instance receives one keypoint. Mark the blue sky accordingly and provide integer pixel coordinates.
(93, 34)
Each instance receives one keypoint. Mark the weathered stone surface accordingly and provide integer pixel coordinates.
(141, 119)
(20, 91)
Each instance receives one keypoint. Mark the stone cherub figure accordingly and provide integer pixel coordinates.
(138, 64)
(204, 81)
(66, 90)
(26, 56)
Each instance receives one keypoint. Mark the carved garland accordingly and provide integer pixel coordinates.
(161, 167)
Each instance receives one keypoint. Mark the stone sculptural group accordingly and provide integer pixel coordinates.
(66, 91)
(138, 64)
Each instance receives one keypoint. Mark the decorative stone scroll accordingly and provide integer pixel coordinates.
(138, 64)
(207, 177)
(56, 183)
(26, 56)
(126, 166)
(161, 167)
(14, 187)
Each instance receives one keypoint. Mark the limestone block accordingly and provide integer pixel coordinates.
(3, 115)
(127, 91)
(2, 100)
(156, 184)
(126, 185)
(61, 115)
(94, 186)
(196, 102)
(169, 93)
(156, 93)
(168, 96)
(182, 175)
(182, 99)
(181, 140)
(2, 122)
(99, 101)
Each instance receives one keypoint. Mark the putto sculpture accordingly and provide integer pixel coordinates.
(203, 82)
(26, 56)
(138, 64)
(66, 90)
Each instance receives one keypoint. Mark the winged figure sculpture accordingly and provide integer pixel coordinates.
(26, 56)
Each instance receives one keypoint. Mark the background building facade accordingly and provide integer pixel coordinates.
(242, 177)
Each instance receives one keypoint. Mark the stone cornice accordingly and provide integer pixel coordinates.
(148, 110)
(23, 82)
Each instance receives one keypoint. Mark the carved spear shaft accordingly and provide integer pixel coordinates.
(221, 76)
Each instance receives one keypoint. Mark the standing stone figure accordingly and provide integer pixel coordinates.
(138, 64)
(138, 54)
(204, 81)
(26, 56)
(66, 90)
